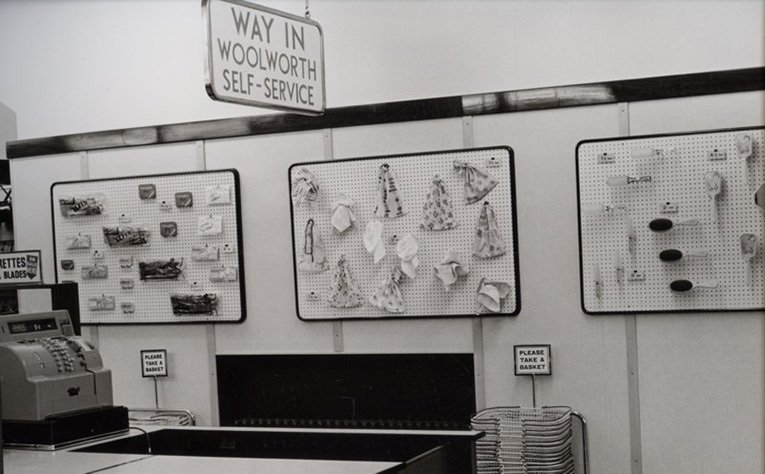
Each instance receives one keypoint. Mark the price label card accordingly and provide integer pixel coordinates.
(532, 359)
(154, 363)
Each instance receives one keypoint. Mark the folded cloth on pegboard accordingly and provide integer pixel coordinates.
(343, 217)
(450, 269)
(478, 182)
(344, 291)
(304, 187)
(491, 293)
(388, 200)
(388, 295)
(373, 240)
(407, 249)
(437, 213)
(487, 242)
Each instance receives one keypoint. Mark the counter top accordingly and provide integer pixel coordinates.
(70, 461)
(43, 462)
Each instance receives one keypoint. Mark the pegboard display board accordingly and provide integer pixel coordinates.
(703, 185)
(191, 216)
(425, 294)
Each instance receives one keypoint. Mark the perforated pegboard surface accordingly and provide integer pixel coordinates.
(677, 165)
(151, 298)
(424, 296)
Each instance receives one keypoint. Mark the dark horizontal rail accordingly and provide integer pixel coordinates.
(632, 90)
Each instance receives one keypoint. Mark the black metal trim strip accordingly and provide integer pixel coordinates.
(597, 93)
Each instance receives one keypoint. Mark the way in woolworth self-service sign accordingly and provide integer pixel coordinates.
(263, 57)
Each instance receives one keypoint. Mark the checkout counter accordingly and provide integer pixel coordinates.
(58, 418)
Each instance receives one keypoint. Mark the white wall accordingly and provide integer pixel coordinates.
(79, 65)
(701, 413)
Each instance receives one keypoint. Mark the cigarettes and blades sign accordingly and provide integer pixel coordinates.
(20, 268)
(263, 57)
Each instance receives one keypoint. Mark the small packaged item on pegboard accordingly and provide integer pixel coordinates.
(193, 304)
(126, 236)
(91, 205)
(161, 269)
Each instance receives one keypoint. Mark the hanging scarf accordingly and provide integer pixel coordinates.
(437, 213)
(488, 243)
(478, 182)
(388, 201)
(344, 292)
(313, 260)
(388, 295)
(304, 187)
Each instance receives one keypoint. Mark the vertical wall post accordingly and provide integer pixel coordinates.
(338, 343)
(210, 338)
(85, 174)
(630, 327)
(477, 322)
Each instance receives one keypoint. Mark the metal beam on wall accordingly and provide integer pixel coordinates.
(502, 102)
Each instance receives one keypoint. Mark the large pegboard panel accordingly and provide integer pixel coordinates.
(424, 295)
(624, 184)
(212, 258)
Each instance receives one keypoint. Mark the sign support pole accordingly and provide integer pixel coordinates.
(533, 390)
(156, 394)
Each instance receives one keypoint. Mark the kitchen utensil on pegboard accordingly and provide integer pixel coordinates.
(745, 149)
(674, 255)
(713, 183)
(681, 286)
(749, 244)
(663, 224)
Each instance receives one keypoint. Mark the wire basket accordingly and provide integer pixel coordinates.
(156, 416)
(523, 440)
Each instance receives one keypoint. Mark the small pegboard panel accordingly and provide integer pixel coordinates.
(447, 230)
(152, 249)
(672, 222)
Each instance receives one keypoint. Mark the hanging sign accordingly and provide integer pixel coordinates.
(532, 359)
(154, 363)
(20, 268)
(263, 57)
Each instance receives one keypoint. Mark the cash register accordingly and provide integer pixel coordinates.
(55, 390)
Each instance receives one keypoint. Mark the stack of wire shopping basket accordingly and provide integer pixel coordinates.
(525, 441)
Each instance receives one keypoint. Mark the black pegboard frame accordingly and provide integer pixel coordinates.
(735, 203)
(366, 168)
(235, 308)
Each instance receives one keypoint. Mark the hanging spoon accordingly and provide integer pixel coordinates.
(687, 285)
(745, 150)
(713, 183)
(749, 243)
(663, 225)
(597, 280)
(673, 255)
